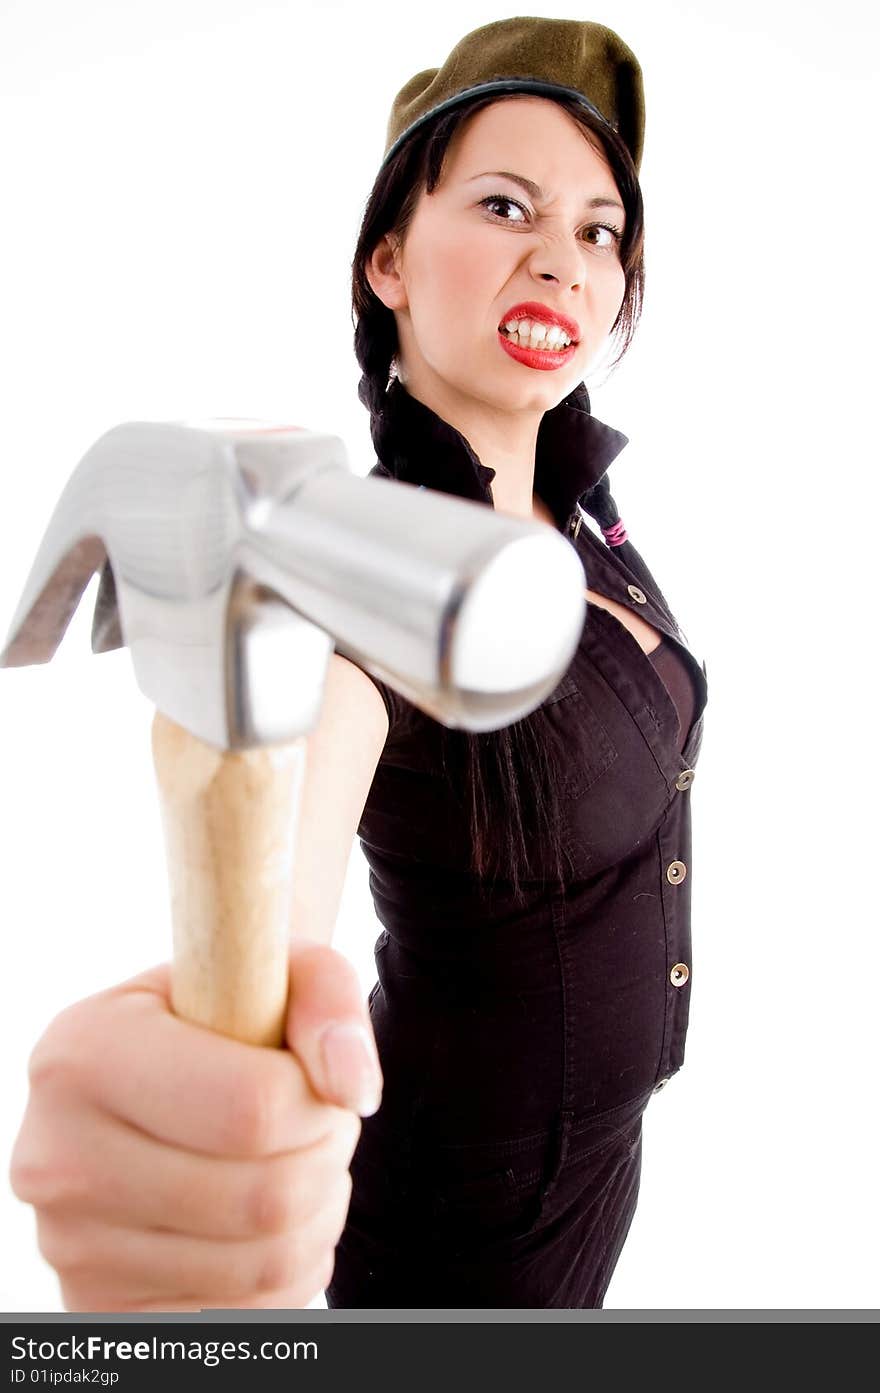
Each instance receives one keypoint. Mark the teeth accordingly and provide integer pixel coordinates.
(530, 333)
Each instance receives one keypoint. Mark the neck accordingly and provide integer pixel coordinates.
(501, 440)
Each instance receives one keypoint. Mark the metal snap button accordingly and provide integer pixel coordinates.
(685, 779)
(638, 595)
(679, 974)
(676, 872)
(661, 1084)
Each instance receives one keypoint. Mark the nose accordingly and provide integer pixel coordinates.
(559, 262)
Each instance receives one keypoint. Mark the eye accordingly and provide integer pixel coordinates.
(607, 237)
(501, 198)
(611, 235)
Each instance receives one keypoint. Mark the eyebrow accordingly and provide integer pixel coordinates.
(537, 193)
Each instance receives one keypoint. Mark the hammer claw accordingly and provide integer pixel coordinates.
(43, 617)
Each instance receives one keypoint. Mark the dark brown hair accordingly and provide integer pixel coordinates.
(508, 780)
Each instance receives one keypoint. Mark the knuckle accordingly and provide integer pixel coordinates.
(41, 1176)
(26, 1172)
(253, 1117)
(45, 1183)
(274, 1205)
(61, 1244)
(281, 1265)
(78, 1294)
(50, 1064)
(61, 1055)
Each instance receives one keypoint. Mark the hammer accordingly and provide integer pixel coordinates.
(234, 556)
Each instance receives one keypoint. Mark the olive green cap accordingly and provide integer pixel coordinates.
(540, 56)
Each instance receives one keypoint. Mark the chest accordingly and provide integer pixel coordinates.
(644, 633)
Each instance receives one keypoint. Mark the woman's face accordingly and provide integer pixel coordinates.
(481, 244)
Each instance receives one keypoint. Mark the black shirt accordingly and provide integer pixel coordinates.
(489, 1021)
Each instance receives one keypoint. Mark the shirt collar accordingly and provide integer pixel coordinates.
(572, 453)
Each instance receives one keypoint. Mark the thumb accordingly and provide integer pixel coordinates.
(329, 1029)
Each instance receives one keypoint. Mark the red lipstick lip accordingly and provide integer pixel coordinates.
(545, 358)
(533, 309)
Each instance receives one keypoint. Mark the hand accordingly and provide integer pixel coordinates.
(173, 1169)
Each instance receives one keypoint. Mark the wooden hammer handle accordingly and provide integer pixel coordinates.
(230, 820)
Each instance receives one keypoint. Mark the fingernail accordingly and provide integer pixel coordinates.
(350, 1067)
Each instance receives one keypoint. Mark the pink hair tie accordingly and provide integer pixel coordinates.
(616, 534)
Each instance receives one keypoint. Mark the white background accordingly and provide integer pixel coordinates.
(182, 183)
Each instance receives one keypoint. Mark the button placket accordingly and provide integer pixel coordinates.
(678, 774)
(673, 870)
(674, 837)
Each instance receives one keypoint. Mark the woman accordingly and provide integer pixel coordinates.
(534, 963)
(532, 882)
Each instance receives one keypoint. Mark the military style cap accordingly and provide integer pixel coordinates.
(540, 56)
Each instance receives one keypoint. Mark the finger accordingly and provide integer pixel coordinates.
(329, 1029)
(295, 1298)
(179, 1083)
(100, 1262)
(115, 1174)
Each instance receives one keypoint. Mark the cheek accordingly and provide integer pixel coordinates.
(451, 299)
(613, 291)
(456, 277)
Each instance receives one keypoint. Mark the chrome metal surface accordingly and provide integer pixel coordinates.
(234, 557)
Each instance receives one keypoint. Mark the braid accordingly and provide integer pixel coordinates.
(601, 506)
(375, 344)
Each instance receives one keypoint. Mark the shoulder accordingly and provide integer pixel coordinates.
(356, 702)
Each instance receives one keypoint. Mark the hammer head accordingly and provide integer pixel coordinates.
(234, 556)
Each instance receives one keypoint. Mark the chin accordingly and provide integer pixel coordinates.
(544, 395)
